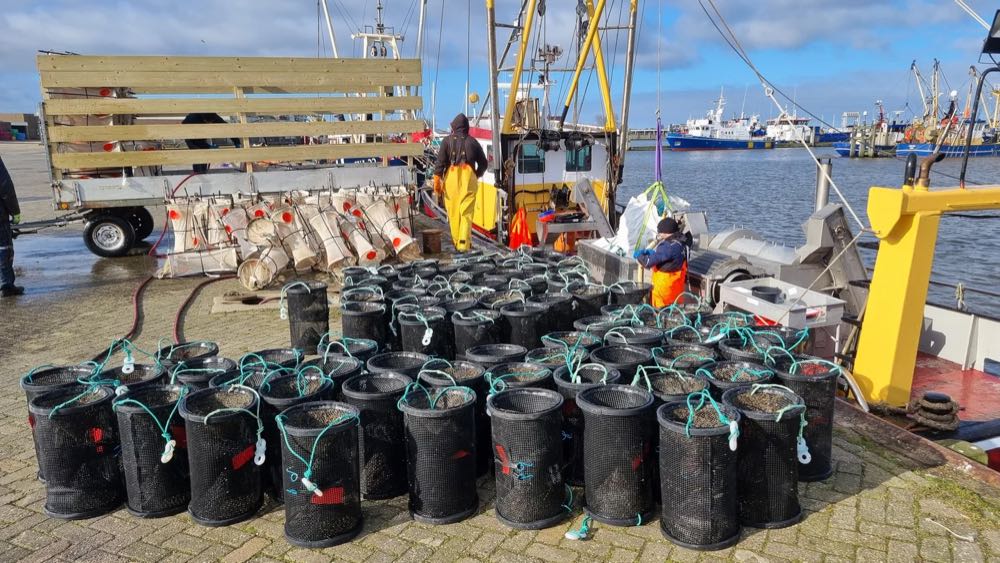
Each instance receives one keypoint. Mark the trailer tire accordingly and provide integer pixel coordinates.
(108, 236)
(142, 222)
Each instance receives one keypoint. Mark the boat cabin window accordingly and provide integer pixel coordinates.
(579, 160)
(530, 159)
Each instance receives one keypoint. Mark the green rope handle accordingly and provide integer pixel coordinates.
(28, 376)
(90, 389)
(670, 332)
(689, 355)
(444, 374)
(307, 474)
(377, 290)
(260, 449)
(582, 532)
(170, 443)
(734, 427)
(445, 390)
(771, 361)
(406, 393)
(183, 369)
(474, 316)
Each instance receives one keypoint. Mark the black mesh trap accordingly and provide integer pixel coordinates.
(618, 453)
(46, 379)
(623, 358)
(441, 454)
(768, 467)
(519, 374)
(426, 331)
(366, 320)
(320, 463)
(360, 348)
(383, 440)
(569, 385)
(440, 374)
(406, 363)
(698, 476)
(490, 355)
(527, 449)
(337, 369)
(154, 450)
(198, 372)
(528, 323)
(727, 374)
(77, 437)
(814, 380)
(475, 327)
(277, 394)
(223, 430)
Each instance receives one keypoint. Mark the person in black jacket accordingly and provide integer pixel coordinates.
(202, 119)
(10, 213)
(461, 162)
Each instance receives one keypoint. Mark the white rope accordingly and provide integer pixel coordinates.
(971, 12)
(769, 92)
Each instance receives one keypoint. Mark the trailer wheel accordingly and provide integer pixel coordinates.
(108, 236)
(142, 222)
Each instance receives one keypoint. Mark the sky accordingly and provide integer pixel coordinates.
(831, 56)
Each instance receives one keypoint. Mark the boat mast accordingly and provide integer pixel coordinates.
(610, 124)
(595, 20)
(934, 89)
(515, 82)
(920, 86)
(329, 28)
(491, 31)
(627, 88)
(420, 38)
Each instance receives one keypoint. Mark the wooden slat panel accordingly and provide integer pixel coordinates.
(183, 82)
(213, 156)
(230, 106)
(220, 131)
(224, 64)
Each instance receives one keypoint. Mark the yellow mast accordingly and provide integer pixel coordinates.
(584, 51)
(602, 76)
(515, 83)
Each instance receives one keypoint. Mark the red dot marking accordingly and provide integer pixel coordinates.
(397, 241)
(174, 215)
(259, 213)
(31, 421)
(286, 217)
(357, 212)
(96, 434)
(347, 206)
(105, 92)
(194, 241)
(108, 147)
(225, 211)
(371, 255)
(229, 229)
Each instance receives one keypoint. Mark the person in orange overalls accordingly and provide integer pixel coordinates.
(669, 262)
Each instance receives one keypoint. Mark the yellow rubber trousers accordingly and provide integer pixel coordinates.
(460, 186)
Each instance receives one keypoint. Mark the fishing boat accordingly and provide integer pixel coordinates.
(946, 132)
(874, 140)
(714, 132)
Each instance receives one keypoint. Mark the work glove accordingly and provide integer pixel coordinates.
(438, 185)
(17, 219)
(642, 252)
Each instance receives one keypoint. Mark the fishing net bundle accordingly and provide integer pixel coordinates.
(570, 383)
(618, 453)
(321, 479)
(772, 419)
(154, 450)
(77, 437)
(527, 449)
(226, 452)
(277, 393)
(698, 472)
(440, 453)
(383, 442)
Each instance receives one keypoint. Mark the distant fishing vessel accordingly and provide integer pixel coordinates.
(876, 140)
(948, 129)
(712, 132)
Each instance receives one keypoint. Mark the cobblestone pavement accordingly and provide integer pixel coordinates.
(877, 507)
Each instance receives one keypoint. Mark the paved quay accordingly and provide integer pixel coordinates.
(878, 506)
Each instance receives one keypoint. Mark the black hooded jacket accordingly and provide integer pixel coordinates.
(8, 199)
(459, 148)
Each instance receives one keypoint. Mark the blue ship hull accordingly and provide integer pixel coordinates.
(681, 142)
(925, 149)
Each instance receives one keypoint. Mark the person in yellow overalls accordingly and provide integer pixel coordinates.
(461, 162)
(669, 262)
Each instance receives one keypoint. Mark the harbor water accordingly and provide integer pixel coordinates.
(772, 192)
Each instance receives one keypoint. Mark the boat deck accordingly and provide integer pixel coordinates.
(977, 393)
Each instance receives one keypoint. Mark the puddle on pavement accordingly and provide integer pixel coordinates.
(57, 260)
